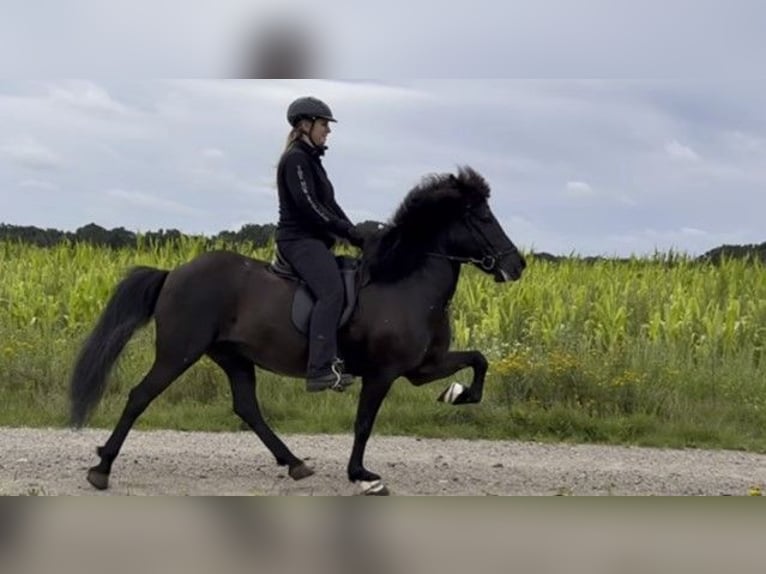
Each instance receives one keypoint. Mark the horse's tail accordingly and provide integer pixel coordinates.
(130, 307)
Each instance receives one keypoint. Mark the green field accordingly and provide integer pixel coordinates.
(658, 351)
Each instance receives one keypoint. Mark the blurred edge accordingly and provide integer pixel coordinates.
(394, 536)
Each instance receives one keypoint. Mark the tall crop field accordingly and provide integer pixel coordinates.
(662, 351)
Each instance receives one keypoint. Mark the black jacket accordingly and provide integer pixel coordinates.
(307, 207)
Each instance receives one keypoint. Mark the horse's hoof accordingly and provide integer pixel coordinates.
(98, 479)
(382, 492)
(300, 471)
(373, 488)
(451, 394)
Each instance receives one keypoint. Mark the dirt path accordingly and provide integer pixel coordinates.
(54, 462)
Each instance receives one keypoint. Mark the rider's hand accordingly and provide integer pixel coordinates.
(356, 237)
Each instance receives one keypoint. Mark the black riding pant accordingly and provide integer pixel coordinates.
(316, 265)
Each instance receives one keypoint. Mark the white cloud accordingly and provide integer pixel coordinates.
(212, 153)
(152, 202)
(579, 189)
(744, 142)
(627, 200)
(682, 152)
(75, 117)
(30, 153)
(85, 96)
(38, 184)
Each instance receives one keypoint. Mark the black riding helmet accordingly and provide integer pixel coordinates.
(308, 108)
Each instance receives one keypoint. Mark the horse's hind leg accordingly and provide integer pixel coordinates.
(163, 372)
(241, 373)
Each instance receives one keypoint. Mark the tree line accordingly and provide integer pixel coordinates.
(119, 237)
(259, 235)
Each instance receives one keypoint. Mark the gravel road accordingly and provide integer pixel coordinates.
(54, 462)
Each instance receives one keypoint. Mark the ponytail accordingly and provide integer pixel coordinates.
(294, 134)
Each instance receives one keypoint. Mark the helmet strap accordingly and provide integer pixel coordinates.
(311, 140)
(311, 130)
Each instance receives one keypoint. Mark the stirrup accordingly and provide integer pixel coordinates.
(343, 380)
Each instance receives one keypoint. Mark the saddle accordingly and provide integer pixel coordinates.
(303, 301)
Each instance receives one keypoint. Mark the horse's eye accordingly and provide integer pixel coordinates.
(483, 214)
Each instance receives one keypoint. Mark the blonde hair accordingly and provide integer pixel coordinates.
(294, 134)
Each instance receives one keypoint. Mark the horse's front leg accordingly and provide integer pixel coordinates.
(374, 390)
(448, 364)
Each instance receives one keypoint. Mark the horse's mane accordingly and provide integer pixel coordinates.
(430, 207)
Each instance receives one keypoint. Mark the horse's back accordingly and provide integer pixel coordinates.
(209, 283)
(215, 269)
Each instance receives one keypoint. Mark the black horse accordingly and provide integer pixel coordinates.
(236, 310)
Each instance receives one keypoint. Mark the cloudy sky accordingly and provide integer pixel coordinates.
(604, 127)
(586, 166)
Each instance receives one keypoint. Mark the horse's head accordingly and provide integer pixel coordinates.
(475, 235)
(446, 216)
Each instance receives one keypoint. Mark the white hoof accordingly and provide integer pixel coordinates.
(452, 393)
(371, 488)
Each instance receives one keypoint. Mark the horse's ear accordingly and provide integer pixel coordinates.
(455, 183)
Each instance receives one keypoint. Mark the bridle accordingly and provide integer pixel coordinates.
(486, 263)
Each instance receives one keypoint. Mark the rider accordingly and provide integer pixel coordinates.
(310, 221)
